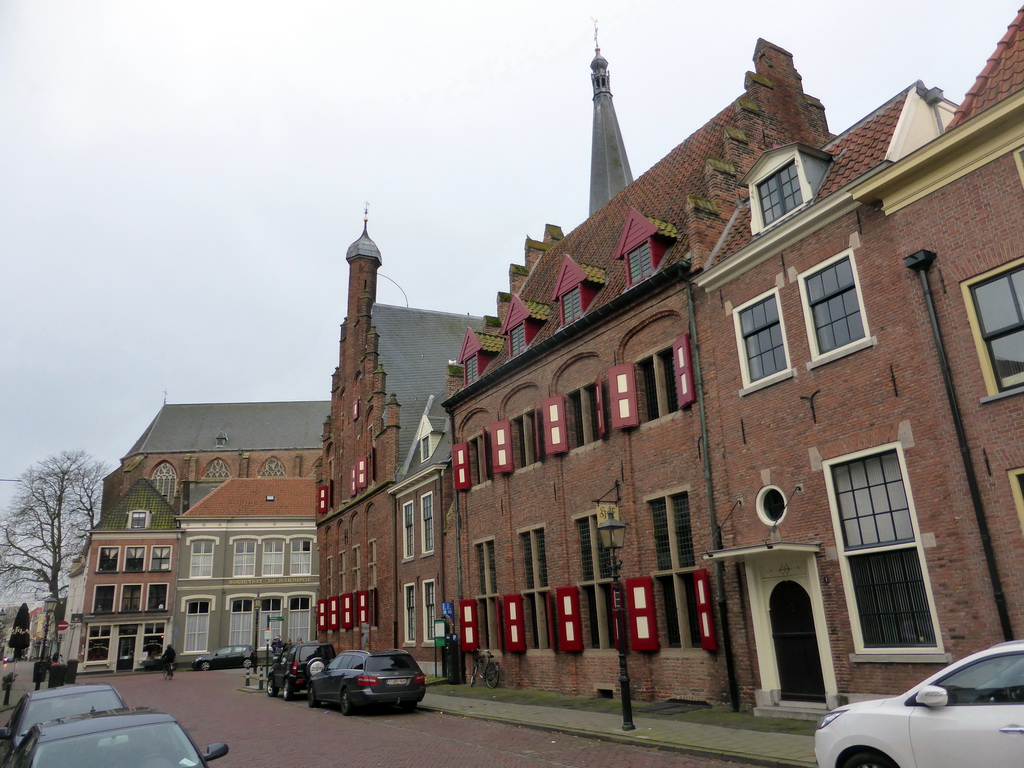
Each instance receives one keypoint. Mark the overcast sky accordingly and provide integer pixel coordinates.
(179, 181)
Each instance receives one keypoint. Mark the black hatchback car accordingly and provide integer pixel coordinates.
(357, 679)
(292, 669)
(228, 656)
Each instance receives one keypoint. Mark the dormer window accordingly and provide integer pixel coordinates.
(425, 448)
(779, 194)
(477, 351)
(138, 518)
(783, 181)
(522, 323)
(575, 288)
(517, 340)
(643, 244)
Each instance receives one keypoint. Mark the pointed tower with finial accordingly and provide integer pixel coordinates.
(609, 166)
(363, 258)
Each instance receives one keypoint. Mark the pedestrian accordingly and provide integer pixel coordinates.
(168, 660)
(299, 640)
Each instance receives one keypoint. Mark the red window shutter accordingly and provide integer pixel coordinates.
(321, 615)
(363, 607)
(467, 614)
(622, 394)
(599, 406)
(332, 612)
(684, 371)
(361, 474)
(501, 446)
(347, 614)
(705, 619)
(460, 466)
(570, 626)
(643, 623)
(322, 497)
(515, 628)
(556, 437)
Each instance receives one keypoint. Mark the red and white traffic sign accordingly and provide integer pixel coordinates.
(62, 626)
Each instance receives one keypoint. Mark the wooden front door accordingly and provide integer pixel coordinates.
(796, 645)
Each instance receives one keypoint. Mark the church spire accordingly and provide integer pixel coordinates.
(609, 166)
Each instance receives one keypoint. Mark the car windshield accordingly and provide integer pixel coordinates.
(399, 662)
(160, 745)
(41, 710)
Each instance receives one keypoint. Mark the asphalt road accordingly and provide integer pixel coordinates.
(271, 733)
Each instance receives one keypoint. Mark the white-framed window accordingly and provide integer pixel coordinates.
(103, 598)
(409, 529)
(302, 557)
(197, 625)
(429, 610)
(782, 181)
(273, 557)
(134, 559)
(165, 479)
(108, 559)
(201, 566)
(131, 598)
(884, 572)
(98, 647)
(138, 518)
(427, 521)
(270, 607)
(160, 559)
(536, 594)
(245, 558)
(995, 307)
(424, 447)
(156, 597)
(409, 614)
(779, 194)
(240, 632)
(761, 339)
(298, 617)
(517, 340)
(833, 305)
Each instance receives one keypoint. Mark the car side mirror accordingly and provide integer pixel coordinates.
(5, 732)
(215, 750)
(932, 696)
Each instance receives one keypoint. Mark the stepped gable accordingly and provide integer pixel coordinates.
(695, 188)
(259, 497)
(1002, 76)
(142, 495)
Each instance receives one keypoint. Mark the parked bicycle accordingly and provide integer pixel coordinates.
(485, 668)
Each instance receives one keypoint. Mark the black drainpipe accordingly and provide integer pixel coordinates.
(920, 262)
(716, 531)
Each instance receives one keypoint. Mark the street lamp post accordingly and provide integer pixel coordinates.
(612, 534)
(49, 605)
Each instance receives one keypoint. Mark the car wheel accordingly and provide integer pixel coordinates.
(311, 698)
(869, 760)
(271, 688)
(205, 666)
(289, 691)
(408, 706)
(345, 703)
(247, 663)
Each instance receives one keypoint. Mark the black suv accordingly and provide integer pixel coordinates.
(292, 669)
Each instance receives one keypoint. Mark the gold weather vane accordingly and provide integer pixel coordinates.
(366, 211)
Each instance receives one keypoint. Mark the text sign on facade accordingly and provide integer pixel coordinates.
(448, 609)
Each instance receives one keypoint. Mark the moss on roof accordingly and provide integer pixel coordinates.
(749, 105)
(142, 495)
(531, 243)
(737, 134)
(455, 370)
(490, 342)
(753, 77)
(492, 320)
(518, 269)
(504, 296)
(539, 310)
(705, 204)
(664, 228)
(594, 274)
(724, 166)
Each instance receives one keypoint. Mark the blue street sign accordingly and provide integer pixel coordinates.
(448, 609)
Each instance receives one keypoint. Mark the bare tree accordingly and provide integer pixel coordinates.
(46, 524)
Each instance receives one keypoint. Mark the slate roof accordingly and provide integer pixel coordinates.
(415, 346)
(442, 453)
(248, 426)
(142, 495)
(1003, 74)
(259, 497)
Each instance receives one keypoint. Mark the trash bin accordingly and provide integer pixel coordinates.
(455, 676)
(57, 675)
(39, 671)
(72, 671)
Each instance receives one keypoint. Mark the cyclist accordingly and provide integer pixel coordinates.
(168, 660)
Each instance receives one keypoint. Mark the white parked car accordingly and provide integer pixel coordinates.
(970, 713)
